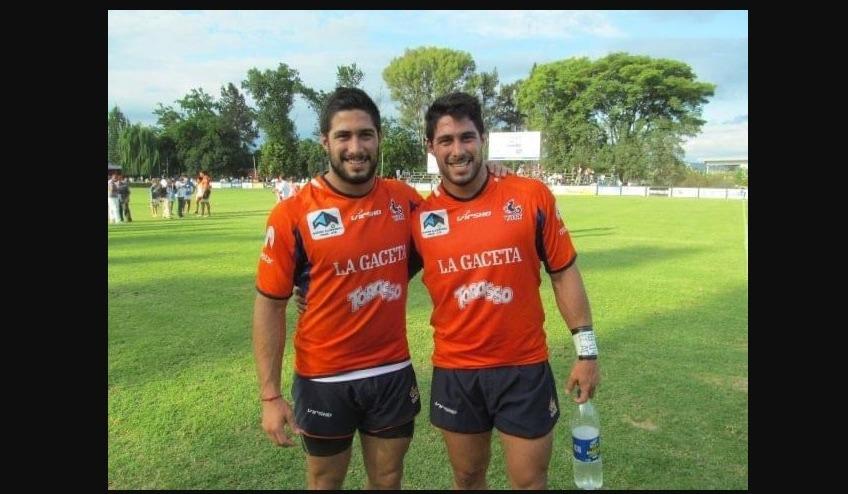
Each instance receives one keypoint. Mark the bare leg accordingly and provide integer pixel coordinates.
(527, 460)
(327, 472)
(469, 456)
(384, 460)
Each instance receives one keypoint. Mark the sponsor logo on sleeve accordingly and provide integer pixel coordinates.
(325, 223)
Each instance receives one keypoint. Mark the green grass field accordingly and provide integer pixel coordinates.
(668, 283)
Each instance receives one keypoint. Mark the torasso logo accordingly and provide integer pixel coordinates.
(325, 223)
(434, 223)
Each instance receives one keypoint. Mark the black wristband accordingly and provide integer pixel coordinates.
(579, 329)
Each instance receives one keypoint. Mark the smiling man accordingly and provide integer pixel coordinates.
(483, 240)
(344, 241)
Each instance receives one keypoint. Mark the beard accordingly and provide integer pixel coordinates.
(356, 177)
(474, 163)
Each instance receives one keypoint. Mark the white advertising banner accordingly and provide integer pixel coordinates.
(514, 145)
(580, 190)
(633, 191)
(684, 192)
(609, 191)
(737, 193)
(432, 165)
(713, 193)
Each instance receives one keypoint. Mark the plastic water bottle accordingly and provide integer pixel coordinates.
(586, 442)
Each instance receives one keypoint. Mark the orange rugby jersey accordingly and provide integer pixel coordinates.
(481, 266)
(350, 256)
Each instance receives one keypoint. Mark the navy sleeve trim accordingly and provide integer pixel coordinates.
(275, 297)
(567, 265)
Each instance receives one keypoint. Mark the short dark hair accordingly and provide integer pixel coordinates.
(458, 105)
(348, 98)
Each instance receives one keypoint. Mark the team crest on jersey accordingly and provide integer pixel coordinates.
(512, 210)
(434, 223)
(396, 210)
(325, 223)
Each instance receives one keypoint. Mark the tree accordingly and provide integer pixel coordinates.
(274, 93)
(400, 149)
(421, 75)
(349, 75)
(138, 150)
(484, 86)
(506, 114)
(116, 122)
(312, 159)
(346, 76)
(620, 105)
(237, 115)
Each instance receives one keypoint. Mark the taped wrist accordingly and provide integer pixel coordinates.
(585, 343)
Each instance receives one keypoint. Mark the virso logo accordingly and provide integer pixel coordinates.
(325, 223)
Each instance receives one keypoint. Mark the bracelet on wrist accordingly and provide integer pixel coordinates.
(271, 398)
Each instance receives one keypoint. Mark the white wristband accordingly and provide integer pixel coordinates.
(585, 343)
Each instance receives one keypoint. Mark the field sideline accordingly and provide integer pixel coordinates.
(668, 283)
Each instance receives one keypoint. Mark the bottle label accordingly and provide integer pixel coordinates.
(587, 449)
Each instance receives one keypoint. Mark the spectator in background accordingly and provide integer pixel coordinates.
(113, 200)
(205, 183)
(201, 190)
(124, 200)
(154, 197)
(182, 192)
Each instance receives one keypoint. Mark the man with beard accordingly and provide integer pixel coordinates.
(344, 241)
(490, 358)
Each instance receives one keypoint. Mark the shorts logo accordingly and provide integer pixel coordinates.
(319, 413)
(434, 223)
(413, 394)
(449, 410)
(512, 210)
(397, 211)
(552, 407)
(325, 223)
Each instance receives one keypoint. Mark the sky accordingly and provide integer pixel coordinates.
(159, 56)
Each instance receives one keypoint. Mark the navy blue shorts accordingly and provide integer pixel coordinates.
(517, 400)
(372, 404)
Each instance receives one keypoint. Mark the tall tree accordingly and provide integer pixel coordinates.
(312, 159)
(400, 149)
(617, 105)
(115, 123)
(507, 116)
(138, 150)
(420, 75)
(274, 91)
(236, 114)
(349, 75)
(484, 85)
(346, 76)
